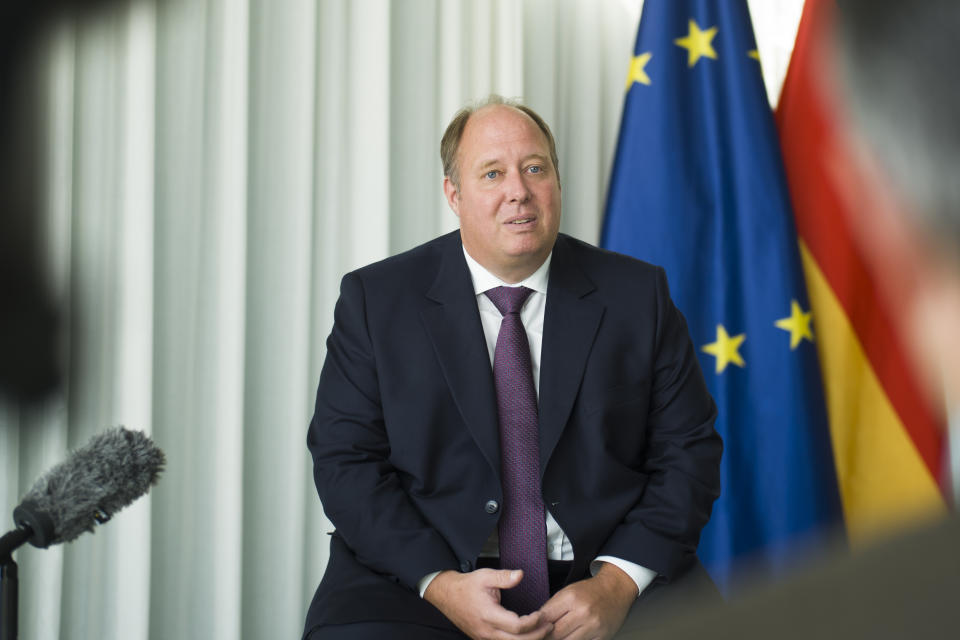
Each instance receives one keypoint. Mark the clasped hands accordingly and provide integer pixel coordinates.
(590, 609)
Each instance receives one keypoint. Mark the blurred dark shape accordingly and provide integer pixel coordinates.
(31, 335)
(905, 588)
(899, 81)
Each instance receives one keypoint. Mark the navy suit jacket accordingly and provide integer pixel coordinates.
(405, 439)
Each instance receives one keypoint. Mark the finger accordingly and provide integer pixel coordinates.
(563, 628)
(531, 622)
(502, 578)
(569, 631)
(510, 622)
(540, 633)
(563, 617)
(555, 608)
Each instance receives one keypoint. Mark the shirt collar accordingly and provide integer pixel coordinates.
(483, 280)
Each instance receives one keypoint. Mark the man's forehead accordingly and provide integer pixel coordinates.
(494, 125)
(497, 117)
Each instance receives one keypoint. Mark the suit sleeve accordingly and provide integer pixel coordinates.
(682, 457)
(360, 490)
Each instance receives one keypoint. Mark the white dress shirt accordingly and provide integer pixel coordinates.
(559, 546)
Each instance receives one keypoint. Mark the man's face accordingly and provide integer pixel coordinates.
(509, 196)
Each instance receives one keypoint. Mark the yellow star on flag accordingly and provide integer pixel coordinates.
(725, 349)
(753, 53)
(798, 324)
(637, 72)
(697, 43)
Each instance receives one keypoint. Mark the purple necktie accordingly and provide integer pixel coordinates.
(522, 529)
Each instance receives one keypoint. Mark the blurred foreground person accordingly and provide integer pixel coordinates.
(899, 80)
(30, 320)
(33, 322)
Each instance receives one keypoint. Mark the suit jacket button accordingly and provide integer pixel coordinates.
(491, 507)
(465, 566)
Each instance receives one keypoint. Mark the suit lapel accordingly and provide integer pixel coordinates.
(569, 326)
(457, 336)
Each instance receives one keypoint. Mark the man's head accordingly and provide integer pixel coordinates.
(501, 180)
(898, 75)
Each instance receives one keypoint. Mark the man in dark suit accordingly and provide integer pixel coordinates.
(412, 438)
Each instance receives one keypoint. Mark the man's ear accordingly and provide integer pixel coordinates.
(453, 195)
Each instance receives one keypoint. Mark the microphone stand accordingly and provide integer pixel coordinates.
(8, 581)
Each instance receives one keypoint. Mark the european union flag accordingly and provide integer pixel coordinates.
(698, 187)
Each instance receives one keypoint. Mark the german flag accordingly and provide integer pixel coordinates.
(887, 440)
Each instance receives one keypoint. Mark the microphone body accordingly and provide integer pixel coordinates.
(112, 470)
(109, 472)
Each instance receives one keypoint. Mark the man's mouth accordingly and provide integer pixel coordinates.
(521, 221)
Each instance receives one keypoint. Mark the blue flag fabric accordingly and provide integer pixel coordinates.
(698, 187)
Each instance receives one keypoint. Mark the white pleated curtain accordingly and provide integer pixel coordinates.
(212, 168)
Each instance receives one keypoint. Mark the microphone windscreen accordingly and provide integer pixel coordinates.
(110, 471)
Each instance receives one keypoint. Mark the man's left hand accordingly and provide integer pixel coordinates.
(591, 609)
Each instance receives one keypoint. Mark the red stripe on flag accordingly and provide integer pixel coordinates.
(809, 144)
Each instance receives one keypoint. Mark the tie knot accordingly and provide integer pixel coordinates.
(508, 299)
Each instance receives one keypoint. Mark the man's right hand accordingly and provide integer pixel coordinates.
(472, 602)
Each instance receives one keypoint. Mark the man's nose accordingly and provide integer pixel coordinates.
(516, 187)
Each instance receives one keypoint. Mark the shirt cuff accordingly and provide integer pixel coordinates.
(427, 579)
(639, 574)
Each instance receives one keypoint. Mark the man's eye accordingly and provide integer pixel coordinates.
(491, 174)
(535, 169)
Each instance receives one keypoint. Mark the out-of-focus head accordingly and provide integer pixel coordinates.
(31, 321)
(501, 180)
(899, 66)
(897, 76)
